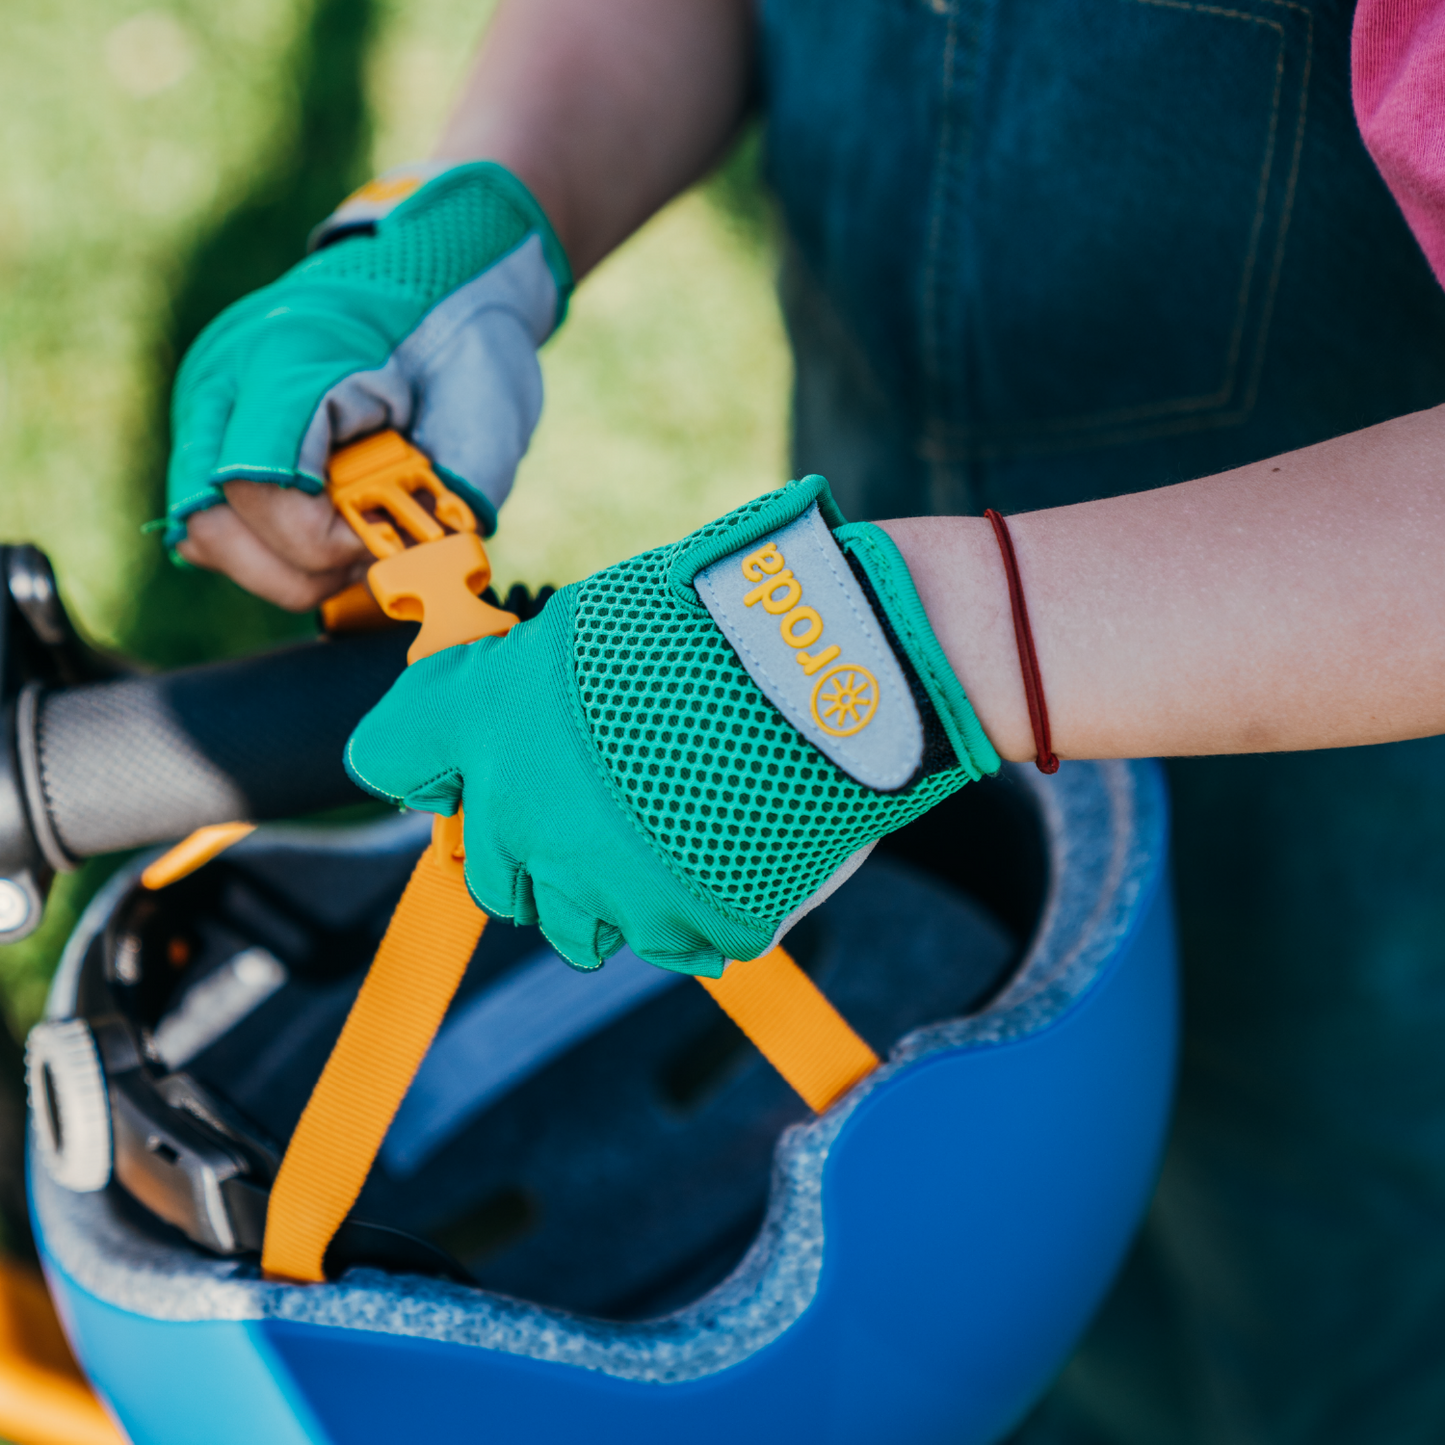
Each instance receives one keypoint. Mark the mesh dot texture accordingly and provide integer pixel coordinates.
(744, 807)
(453, 228)
(449, 232)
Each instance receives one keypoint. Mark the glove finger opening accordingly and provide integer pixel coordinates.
(582, 938)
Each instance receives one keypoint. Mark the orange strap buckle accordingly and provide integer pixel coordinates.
(437, 580)
(385, 475)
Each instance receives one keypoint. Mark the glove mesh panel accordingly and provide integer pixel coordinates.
(454, 229)
(751, 813)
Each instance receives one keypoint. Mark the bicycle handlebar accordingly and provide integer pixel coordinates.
(92, 762)
(141, 760)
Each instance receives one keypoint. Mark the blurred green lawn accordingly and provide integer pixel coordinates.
(162, 161)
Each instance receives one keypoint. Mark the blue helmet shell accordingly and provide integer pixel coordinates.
(933, 1246)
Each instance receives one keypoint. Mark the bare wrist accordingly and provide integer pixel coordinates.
(955, 566)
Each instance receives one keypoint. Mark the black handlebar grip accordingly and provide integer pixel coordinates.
(128, 763)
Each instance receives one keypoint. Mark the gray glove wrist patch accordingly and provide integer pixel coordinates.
(805, 632)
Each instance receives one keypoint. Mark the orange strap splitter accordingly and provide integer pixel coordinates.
(384, 484)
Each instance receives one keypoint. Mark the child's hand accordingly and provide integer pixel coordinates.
(422, 311)
(687, 751)
(291, 548)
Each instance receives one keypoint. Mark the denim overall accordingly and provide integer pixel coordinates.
(1046, 250)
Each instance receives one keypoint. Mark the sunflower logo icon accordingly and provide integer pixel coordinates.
(845, 699)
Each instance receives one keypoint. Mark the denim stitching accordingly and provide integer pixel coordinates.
(947, 443)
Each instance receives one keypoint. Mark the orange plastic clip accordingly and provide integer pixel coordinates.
(354, 610)
(375, 484)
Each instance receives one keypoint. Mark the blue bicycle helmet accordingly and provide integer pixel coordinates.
(600, 1214)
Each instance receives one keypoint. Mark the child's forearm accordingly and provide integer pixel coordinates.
(606, 109)
(1295, 603)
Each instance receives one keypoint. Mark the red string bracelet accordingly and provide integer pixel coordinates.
(1028, 658)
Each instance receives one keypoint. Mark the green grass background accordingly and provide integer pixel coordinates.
(160, 162)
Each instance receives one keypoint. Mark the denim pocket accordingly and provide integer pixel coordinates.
(1110, 203)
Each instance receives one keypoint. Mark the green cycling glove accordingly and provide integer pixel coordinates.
(688, 750)
(422, 310)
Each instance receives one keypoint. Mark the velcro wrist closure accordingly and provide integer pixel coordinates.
(882, 563)
(804, 630)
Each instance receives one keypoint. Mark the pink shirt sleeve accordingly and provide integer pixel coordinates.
(1398, 65)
